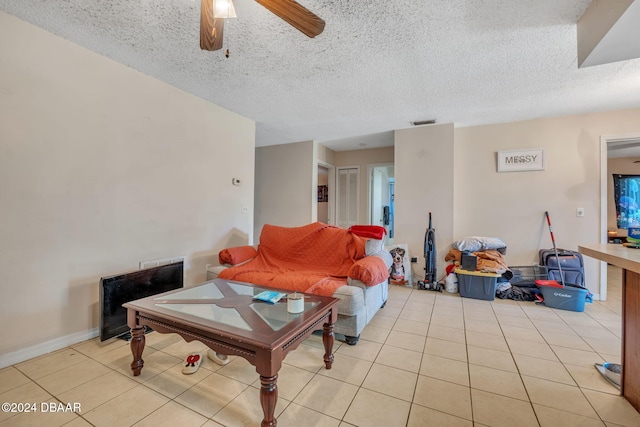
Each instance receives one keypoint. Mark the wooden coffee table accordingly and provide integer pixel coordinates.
(224, 316)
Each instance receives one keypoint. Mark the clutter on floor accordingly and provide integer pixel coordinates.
(522, 284)
(478, 263)
(570, 293)
(479, 270)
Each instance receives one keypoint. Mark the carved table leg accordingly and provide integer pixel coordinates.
(328, 339)
(268, 399)
(137, 347)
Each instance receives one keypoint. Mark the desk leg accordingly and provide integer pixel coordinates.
(137, 347)
(328, 339)
(268, 399)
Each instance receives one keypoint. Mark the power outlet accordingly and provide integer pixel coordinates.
(244, 210)
(579, 212)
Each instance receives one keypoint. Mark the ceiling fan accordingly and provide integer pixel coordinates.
(211, 28)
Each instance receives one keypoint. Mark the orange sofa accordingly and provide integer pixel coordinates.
(318, 259)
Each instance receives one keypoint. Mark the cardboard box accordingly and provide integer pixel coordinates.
(477, 285)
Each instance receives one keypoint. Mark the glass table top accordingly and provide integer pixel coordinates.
(210, 302)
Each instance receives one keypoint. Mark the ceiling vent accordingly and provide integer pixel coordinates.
(423, 122)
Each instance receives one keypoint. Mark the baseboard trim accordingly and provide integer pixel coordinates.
(46, 347)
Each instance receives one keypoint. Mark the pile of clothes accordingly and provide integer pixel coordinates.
(489, 252)
(505, 290)
(489, 261)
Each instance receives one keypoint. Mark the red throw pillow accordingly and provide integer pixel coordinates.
(370, 270)
(369, 231)
(237, 255)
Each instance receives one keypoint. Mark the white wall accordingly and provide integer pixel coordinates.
(424, 182)
(102, 167)
(285, 185)
(512, 205)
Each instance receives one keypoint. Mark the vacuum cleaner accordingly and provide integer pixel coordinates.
(430, 281)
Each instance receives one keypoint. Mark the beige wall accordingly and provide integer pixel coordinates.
(364, 158)
(294, 167)
(285, 185)
(102, 167)
(623, 166)
(512, 205)
(452, 173)
(424, 179)
(325, 155)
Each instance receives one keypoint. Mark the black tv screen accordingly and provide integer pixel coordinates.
(121, 288)
(626, 195)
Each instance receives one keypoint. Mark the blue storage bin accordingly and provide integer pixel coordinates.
(477, 285)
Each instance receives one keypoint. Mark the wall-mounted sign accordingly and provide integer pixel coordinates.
(530, 159)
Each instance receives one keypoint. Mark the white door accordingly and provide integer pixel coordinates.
(347, 196)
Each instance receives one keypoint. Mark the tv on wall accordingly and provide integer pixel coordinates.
(626, 196)
(121, 288)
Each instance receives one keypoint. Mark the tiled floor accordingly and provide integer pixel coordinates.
(426, 359)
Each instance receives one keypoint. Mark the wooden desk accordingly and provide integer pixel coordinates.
(629, 260)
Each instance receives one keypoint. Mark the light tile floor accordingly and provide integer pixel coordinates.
(426, 359)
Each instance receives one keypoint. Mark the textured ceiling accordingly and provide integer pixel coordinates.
(378, 65)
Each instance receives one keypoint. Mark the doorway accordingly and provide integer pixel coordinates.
(381, 198)
(326, 184)
(611, 144)
(323, 194)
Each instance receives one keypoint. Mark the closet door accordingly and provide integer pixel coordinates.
(347, 196)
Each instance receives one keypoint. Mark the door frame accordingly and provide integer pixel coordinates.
(604, 188)
(370, 168)
(332, 194)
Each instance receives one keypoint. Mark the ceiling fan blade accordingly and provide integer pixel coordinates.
(296, 15)
(211, 29)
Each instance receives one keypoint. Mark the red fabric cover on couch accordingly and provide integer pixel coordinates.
(314, 258)
(237, 255)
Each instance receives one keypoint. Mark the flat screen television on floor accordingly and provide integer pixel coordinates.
(626, 196)
(121, 288)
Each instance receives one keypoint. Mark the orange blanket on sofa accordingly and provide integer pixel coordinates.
(314, 258)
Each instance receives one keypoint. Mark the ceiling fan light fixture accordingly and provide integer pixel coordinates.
(223, 9)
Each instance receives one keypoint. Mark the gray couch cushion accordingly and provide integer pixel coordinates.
(373, 245)
(351, 299)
